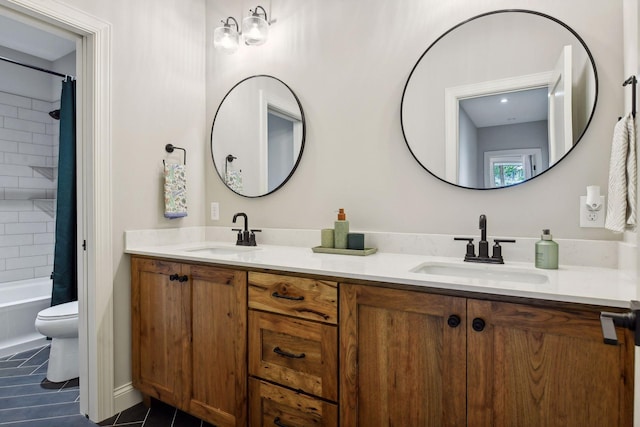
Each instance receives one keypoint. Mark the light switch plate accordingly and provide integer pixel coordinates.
(589, 218)
(215, 211)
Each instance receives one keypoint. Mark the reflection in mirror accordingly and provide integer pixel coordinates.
(499, 99)
(257, 137)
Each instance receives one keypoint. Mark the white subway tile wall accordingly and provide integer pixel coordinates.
(28, 172)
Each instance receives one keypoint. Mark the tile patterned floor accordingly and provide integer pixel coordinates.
(28, 399)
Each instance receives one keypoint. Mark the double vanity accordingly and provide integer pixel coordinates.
(279, 335)
(276, 334)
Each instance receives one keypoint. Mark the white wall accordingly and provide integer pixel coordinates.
(348, 63)
(157, 88)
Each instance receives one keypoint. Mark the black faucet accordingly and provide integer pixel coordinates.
(483, 246)
(246, 237)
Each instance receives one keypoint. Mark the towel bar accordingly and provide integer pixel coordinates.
(170, 147)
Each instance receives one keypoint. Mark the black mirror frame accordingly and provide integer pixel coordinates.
(595, 101)
(302, 142)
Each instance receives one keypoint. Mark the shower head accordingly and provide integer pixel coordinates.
(55, 114)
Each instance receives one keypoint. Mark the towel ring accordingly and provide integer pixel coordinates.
(170, 147)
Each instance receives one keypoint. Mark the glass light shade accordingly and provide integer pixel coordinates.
(226, 39)
(255, 30)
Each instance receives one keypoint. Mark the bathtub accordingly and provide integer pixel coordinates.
(20, 303)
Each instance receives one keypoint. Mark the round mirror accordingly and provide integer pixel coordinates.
(499, 99)
(257, 137)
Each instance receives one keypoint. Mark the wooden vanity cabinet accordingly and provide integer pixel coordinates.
(412, 358)
(293, 351)
(189, 338)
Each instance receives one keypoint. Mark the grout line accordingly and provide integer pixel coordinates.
(146, 416)
(34, 371)
(37, 406)
(16, 367)
(37, 394)
(38, 419)
(62, 387)
(173, 420)
(34, 355)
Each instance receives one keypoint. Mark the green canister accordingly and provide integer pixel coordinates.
(546, 251)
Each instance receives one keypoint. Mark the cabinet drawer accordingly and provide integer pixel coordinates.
(296, 353)
(296, 296)
(270, 405)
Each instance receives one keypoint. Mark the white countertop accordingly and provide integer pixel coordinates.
(578, 284)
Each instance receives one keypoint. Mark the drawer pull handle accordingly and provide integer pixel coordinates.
(277, 295)
(277, 422)
(287, 354)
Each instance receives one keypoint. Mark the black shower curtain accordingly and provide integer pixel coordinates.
(65, 269)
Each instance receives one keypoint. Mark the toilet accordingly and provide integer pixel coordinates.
(60, 322)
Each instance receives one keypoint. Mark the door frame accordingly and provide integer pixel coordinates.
(452, 97)
(95, 272)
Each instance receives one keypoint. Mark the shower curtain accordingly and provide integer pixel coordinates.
(65, 269)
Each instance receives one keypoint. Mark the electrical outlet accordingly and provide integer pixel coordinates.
(590, 218)
(215, 211)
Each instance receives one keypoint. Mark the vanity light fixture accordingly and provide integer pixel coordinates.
(255, 28)
(226, 38)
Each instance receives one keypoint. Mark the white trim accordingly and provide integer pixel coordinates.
(125, 397)
(263, 141)
(517, 154)
(94, 134)
(452, 96)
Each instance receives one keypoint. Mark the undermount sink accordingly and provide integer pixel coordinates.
(481, 271)
(223, 250)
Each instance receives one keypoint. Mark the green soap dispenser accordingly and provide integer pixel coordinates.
(341, 230)
(546, 251)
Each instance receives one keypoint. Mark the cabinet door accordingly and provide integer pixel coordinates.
(160, 315)
(545, 367)
(218, 387)
(401, 363)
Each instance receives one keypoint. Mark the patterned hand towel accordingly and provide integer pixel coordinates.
(175, 191)
(234, 180)
(621, 206)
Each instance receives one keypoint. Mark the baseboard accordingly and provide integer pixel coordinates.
(125, 397)
(32, 341)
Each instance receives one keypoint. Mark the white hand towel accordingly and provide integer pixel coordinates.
(175, 191)
(621, 206)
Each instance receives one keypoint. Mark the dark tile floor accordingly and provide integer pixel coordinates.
(28, 399)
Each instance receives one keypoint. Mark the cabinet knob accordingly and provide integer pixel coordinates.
(173, 277)
(478, 324)
(453, 321)
(183, 278)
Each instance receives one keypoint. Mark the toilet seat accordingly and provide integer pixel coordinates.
(59, 321)
(59, 312)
